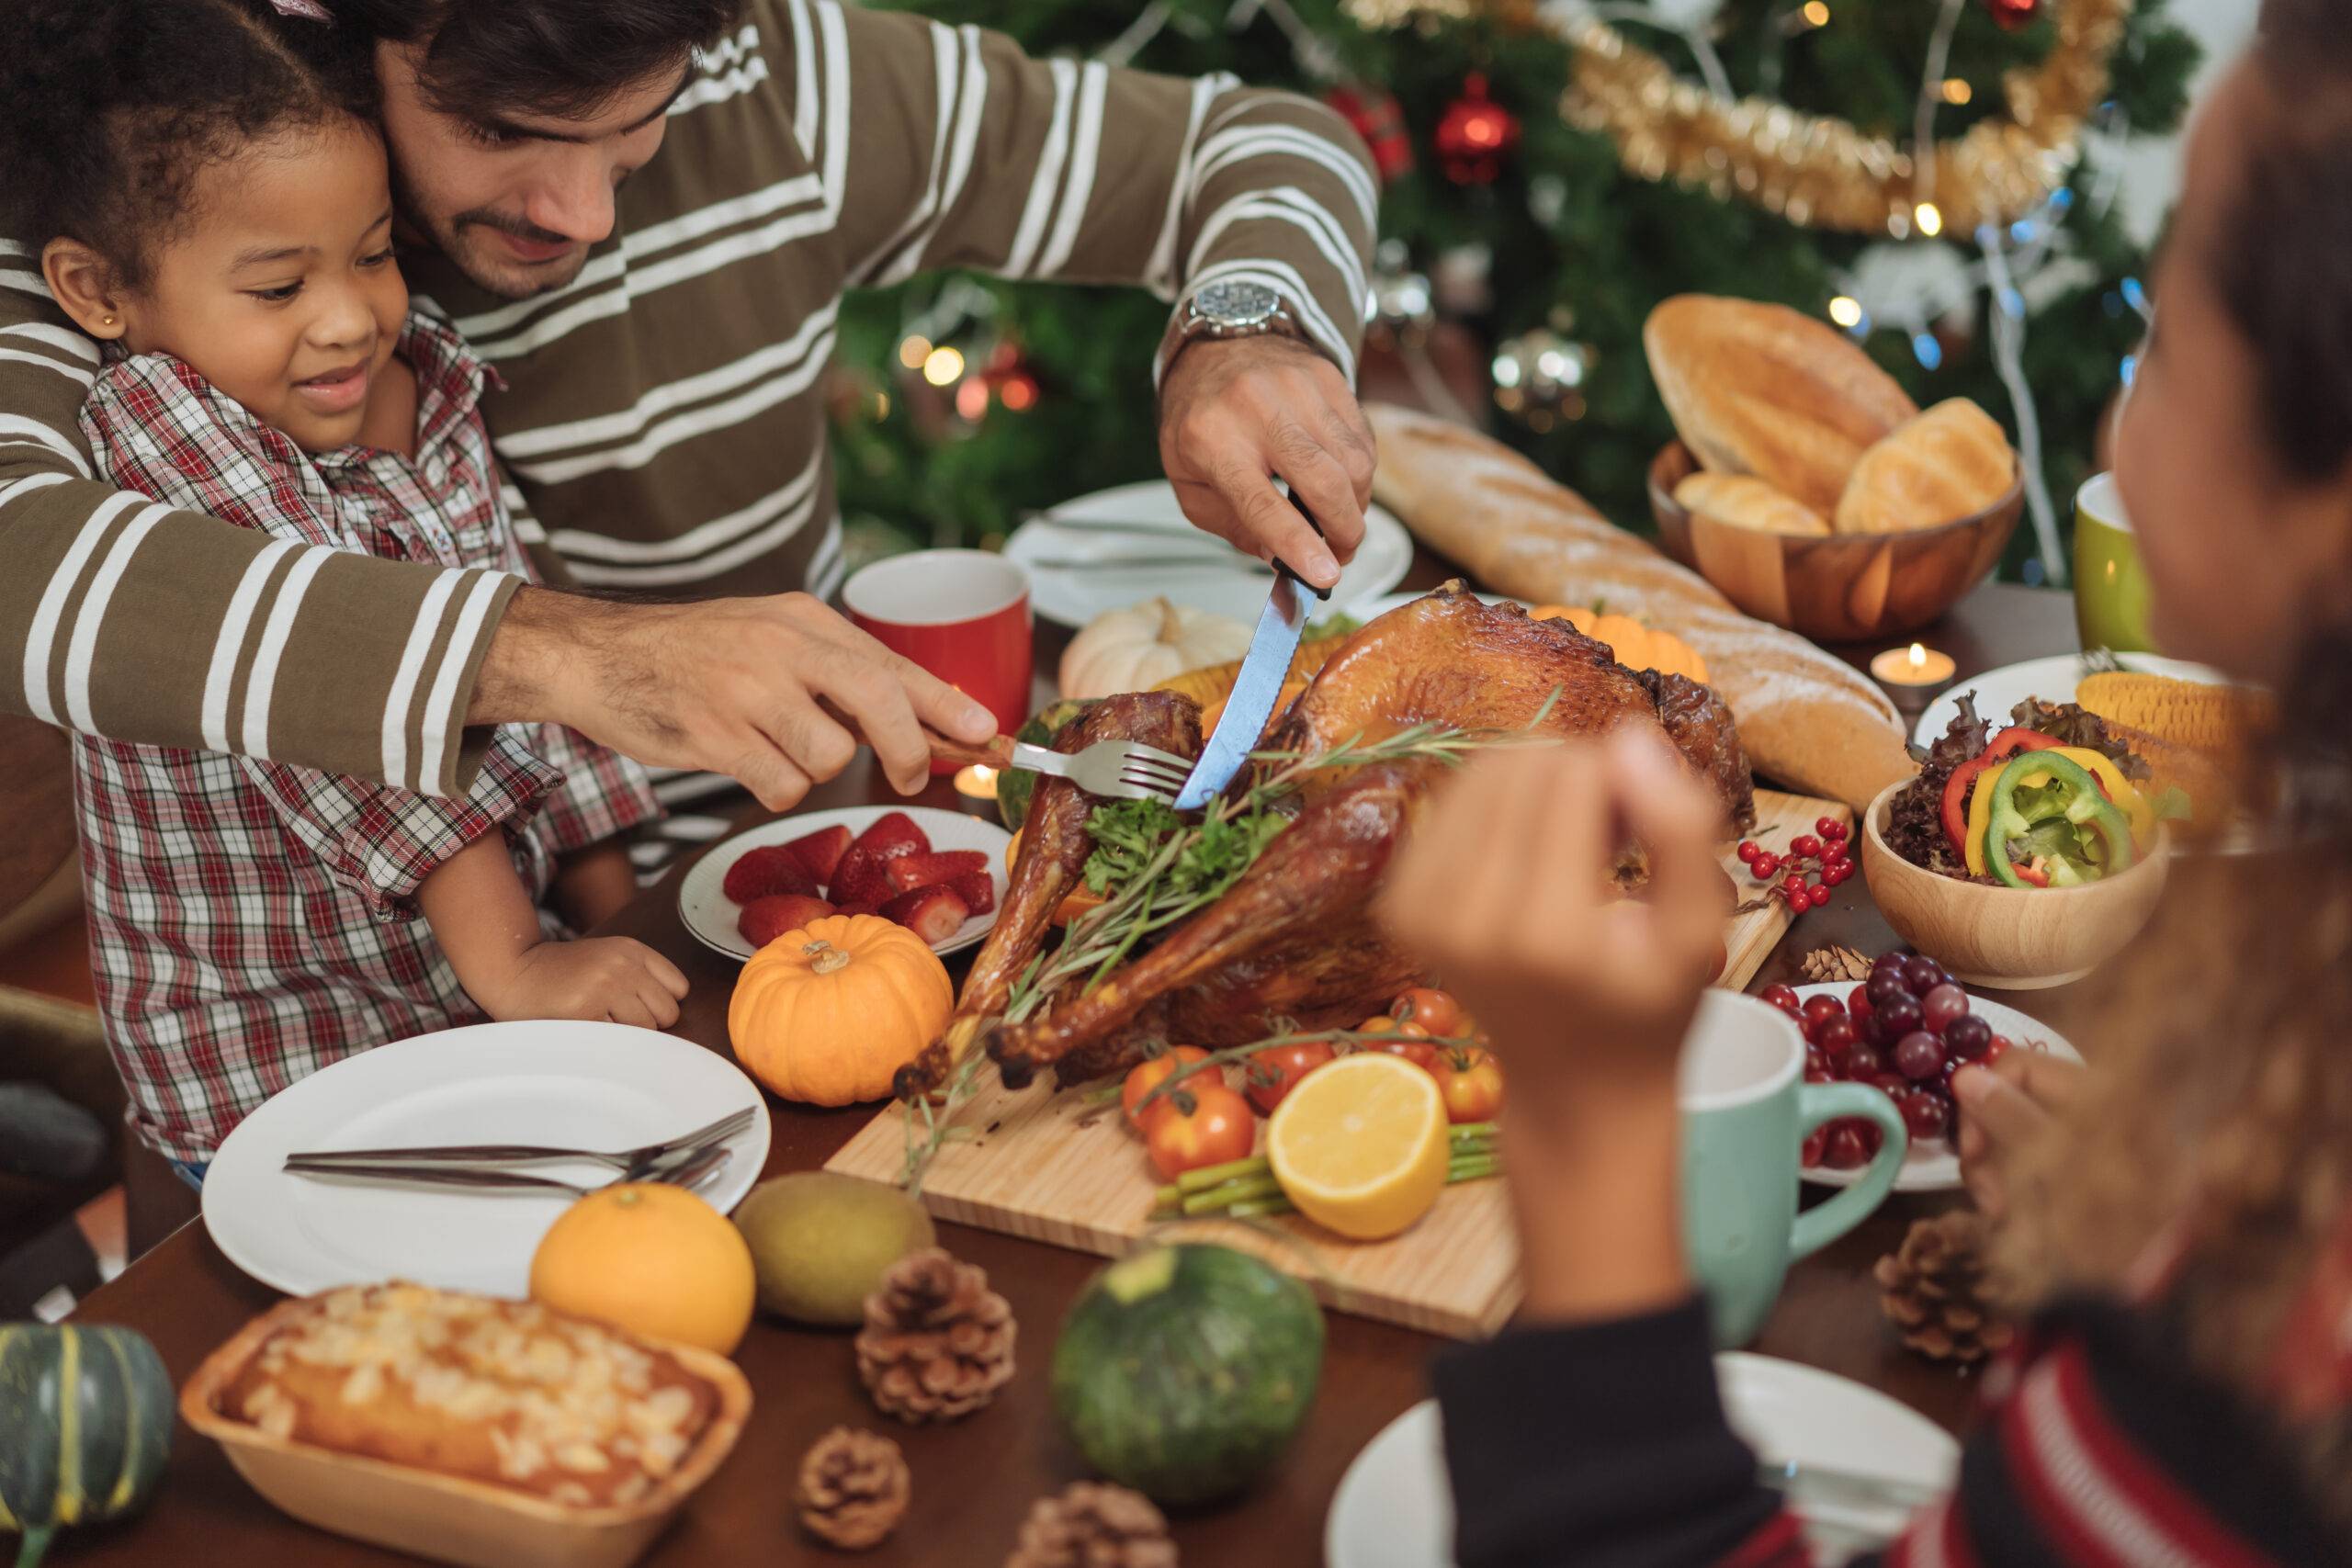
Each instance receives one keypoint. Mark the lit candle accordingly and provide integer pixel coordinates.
(978, 780)
(1916, 668)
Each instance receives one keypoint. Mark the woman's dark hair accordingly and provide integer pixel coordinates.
(2281, 262)
(109, 109)
(561, 58)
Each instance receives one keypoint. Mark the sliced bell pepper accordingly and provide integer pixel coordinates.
(2117, 789)
(1960, 788)
(2078, 801)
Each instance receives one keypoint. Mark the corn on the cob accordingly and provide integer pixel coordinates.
(2185, 712)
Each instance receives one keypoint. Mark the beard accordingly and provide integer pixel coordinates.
(467, 240)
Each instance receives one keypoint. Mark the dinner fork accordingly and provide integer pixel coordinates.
(1117, 769)
(624, 1160)
(688, 1168)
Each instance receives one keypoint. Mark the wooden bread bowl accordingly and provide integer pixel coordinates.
(1841, 588)
(2010, 938)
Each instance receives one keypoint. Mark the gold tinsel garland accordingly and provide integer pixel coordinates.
(1818, 170)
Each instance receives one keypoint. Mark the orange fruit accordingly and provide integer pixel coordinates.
(652, 1260)
(1076, 902)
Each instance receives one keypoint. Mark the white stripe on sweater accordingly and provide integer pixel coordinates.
(73, 372)
(42, 638)
(26, 486)
(2090, 1496)
(1047, 178)
(412, 665)
(576, 545)
(441, 700)
(229, 640)
(1288, 204)
(64, 339)
(18, 431)
(1159, 274)
(1094, 79)
(748, 548)
(92, 617)
(804, 81)
(718, 89)
(971, 103)
(1245, 142)
(261, 685)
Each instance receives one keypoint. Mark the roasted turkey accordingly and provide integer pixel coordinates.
(1294, 939)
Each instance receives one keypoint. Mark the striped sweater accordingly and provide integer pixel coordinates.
(665, 415)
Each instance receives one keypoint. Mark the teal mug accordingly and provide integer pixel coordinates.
(1745, 1110)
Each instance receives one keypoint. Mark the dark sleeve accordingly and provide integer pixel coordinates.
(1604, 1446)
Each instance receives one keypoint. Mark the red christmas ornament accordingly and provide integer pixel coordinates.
(2013, 14)
(1475, 135)
(1380, 120)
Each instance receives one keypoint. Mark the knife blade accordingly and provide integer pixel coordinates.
(1263, 670)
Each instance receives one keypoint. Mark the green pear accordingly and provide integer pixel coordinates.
(820, 1242)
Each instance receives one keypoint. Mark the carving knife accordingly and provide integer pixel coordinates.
(1263, 670)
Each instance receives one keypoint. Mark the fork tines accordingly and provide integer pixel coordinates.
(1155, 772)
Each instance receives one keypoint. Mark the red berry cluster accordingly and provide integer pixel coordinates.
(1830, 860)
(1905, 1030)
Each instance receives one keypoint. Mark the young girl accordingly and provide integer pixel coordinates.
(216, 215)
(2185, 1220)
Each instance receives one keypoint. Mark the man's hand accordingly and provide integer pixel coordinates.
(1237, 413)
(773, 692)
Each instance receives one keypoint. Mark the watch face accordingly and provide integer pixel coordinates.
(1237, 302)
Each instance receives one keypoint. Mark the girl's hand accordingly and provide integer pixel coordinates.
(596, 979)
(1502, 887)
(2002, 1106)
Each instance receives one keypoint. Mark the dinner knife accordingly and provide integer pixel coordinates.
(1263, 670)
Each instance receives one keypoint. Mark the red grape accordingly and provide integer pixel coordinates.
(1996, 1048)
(1925, 1115)
(1923, 975)
(1863, 1063)
(1804, 847)
(1809, 1153)
(1888, 960)
(1819, 1075)
(1837, 1036)
(1966, 1037)
(1817, 1008)
(1871, 1138)
(1918, 1055)
(1891, 1084)
(1845, 1149)
(1783, 997)
(1896, 1018)
(1940, 1006)
(1858, 1002)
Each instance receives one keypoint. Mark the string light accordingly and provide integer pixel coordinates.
(1929, 218)
(971, 398)
(913, 351)
(1957, 91)
(1927, 351)
(1815, 12)
(1847, 312)
(942, 366)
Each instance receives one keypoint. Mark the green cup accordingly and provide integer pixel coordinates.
(1745, 1108)
(2110, 585)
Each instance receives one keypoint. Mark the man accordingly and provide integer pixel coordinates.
(642, 214)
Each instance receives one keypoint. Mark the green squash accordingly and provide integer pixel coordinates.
(86, 1424)
(1185, 1371)
(1016, 786)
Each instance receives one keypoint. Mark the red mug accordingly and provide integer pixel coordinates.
(962, 614)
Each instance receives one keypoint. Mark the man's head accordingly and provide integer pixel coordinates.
(511, 124)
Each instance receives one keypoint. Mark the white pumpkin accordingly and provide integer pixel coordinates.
(1136, 648)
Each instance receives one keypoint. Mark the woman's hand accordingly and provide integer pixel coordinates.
(2002, 1106)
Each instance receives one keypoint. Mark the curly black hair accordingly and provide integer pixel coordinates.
(109, 109)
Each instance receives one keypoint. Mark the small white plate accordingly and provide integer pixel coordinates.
(565, 1085)
(2053, 680)
(1075, 597)
(710, 915)
(1394, 1508)
(1933, 1166)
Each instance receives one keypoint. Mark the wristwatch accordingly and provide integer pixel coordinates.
(1235, 307)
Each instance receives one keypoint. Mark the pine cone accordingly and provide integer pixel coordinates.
(1090, 1524)
(854, 1488)
(937, 1342)
(1834, 964)
(1938, 1293)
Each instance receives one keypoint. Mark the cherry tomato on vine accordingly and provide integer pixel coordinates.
(1203, 1126)
(1411, 1041)
(1149, 1075)
(1275, 1071)
(1471, 1083)
(1436, 1013)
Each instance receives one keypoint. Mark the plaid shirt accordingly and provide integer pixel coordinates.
(252, 921)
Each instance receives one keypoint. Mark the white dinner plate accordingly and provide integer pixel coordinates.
(1373, 609)
(710, 914)
(2053, 680)
(1224, 581)
(1394, 1509)
(563, 1084)
(1933, 1166)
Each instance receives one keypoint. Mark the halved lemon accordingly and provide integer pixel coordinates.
(1360, 1144)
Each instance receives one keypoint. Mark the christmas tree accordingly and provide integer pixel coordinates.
(1924, 172)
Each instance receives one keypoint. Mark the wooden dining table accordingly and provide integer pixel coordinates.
(974, 1480)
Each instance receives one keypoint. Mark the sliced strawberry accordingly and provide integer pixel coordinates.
(933, 913)
(770, 868)
(894, 833)
(764, 920)
(977, 890)
(861, 878)
(857, 909)
(930, 870)
(820, 851)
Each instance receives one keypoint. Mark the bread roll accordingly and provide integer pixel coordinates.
(1951, 462)
(1807, 720)
(1747, 502)
(1762, 389)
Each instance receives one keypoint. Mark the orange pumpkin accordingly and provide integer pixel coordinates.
(1635, 646)
(652, 1260)
(826, 1019)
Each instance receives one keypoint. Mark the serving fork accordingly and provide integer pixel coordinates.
(477, 1156)
(1116, 770)
(687, 1168)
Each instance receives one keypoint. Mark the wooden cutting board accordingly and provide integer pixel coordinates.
(1048, 1167)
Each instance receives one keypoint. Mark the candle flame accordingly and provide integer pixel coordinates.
(1918, 656)
(983, 773)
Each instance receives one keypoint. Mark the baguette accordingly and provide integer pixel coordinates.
(1806, 719)
(1763, 390)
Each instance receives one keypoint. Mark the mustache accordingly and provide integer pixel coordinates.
(517, 227)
